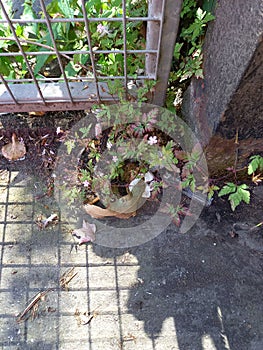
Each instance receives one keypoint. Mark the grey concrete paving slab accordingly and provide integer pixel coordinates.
(195, 291)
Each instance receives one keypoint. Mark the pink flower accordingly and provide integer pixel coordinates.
(86, 183)
(102, 30)
(152, 140)
(115, 159)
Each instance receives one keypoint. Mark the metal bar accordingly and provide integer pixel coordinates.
(167, 41)
(96, 52)
(90, 47)
(121, 77)
(76, 92)
(160, 38)
(21, 49)
(43, 6)
(8, 89)
(57, 106)
(27, 94)
(77, 20)
(124, 45)
(153, 34)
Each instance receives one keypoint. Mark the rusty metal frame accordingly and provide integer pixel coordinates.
(46, 93)
(169, 28)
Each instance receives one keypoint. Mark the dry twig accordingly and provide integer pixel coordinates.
(32, 307)
(66, 278)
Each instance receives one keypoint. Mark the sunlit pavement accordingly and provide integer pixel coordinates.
(33, 260)
(192, 297)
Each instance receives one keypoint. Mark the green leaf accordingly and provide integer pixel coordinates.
(71, 69)
(29, 14)
(243, 192)
(177, 50)
(5, 66)
(228, 188)
(19, 30)
(255, 164)
(211, 191)
(237, 194)
(40, 61)
(85, 131)
(235, 200)
(208, 17)
(67, 8)
(70, 145)
(54, 8)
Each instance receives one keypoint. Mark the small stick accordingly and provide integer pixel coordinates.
(31, 305)
(66, 278)
(256, 227)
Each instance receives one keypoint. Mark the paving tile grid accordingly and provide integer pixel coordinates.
(33, 261)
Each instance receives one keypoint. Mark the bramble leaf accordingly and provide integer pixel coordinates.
(235, 200)
(228, 188)
(237, 194)
(244, 193)
(255, 164)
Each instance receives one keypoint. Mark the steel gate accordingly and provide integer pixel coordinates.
(38, 90)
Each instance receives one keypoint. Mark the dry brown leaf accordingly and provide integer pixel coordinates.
(132, 201)
(100, 213)
(122, 208)
(86, 233)
(14, 150)
(37, 114)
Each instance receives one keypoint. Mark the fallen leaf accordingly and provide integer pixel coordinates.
(84, 318)
(37, 114)
(86, 233)
(14, 150)
(257, 178)
(131, 202)
(122, 208)
(51, 218)
(100, 213)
